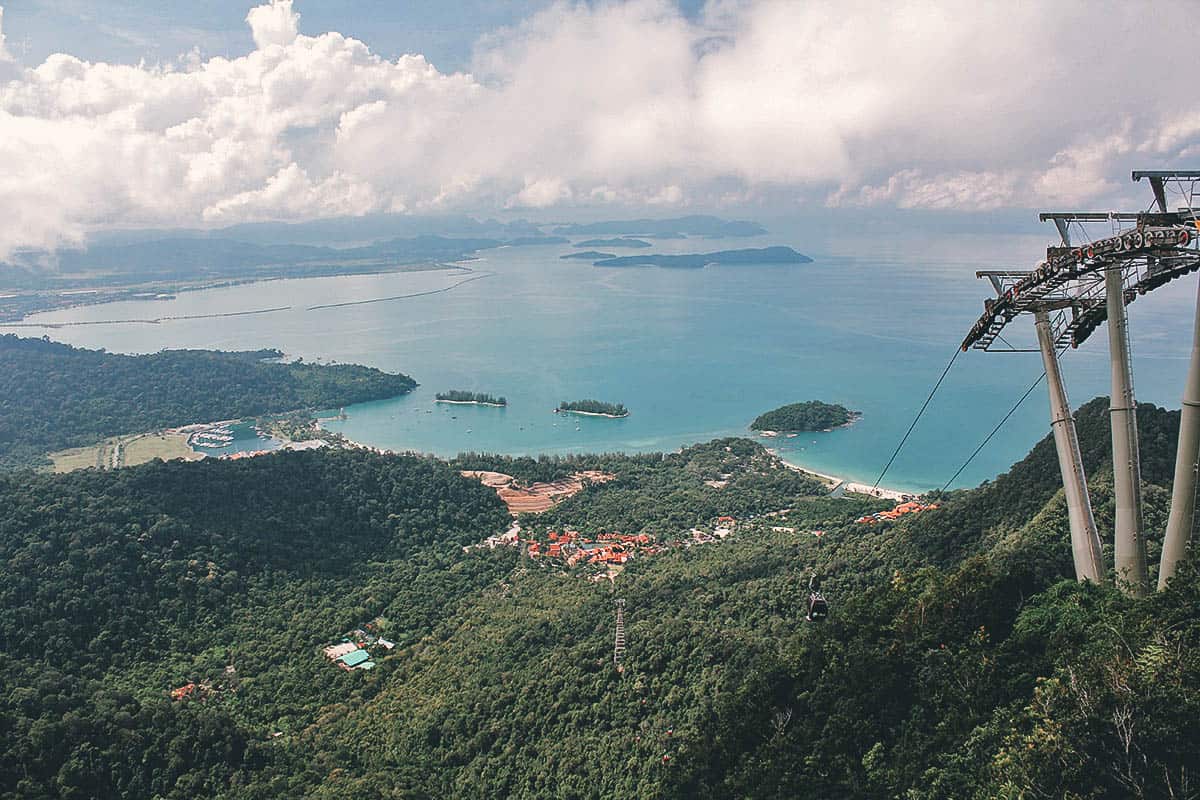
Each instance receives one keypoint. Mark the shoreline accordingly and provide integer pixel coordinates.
(170, 291)
(591, 413)
(472, 403)
(855, 416)
(834, 482)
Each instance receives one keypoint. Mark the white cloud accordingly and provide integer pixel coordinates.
(540, 193)
(290, 193)
(916, 105)
(913, 188)
(274, 24)
(4, 54)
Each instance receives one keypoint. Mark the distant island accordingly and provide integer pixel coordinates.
(590, 255)
(677, 228)
(618, 242)
(810, 416)
(592, 408)
(763, 255)
(477, 398)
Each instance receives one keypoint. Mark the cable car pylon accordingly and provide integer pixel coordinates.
(1129, 544)
(1187, 461)
(1070, 294)
(1085, 539)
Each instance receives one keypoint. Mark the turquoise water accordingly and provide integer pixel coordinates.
(694, 354)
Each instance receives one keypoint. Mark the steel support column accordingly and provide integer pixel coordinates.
(1085, 542)
(1183, 493)
(1129, 546)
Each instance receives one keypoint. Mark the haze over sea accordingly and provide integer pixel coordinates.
(694, 354)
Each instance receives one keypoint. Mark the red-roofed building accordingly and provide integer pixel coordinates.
(183, 691)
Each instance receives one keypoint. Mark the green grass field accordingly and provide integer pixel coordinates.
(134, 450)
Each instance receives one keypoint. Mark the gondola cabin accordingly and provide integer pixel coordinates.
(818, 607)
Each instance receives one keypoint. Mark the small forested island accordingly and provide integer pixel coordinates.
(761, 255)
(592, 407)
(478, 398)
(54, 396)
(810, 416)
(589, 255)
(620, 242)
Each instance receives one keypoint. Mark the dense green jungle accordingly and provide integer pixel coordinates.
(959, 660)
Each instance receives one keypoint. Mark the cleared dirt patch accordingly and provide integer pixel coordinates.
(537, 497)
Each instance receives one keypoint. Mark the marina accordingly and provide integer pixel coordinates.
(229, 438)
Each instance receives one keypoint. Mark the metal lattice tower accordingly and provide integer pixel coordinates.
(619, 641)
(1069, 295)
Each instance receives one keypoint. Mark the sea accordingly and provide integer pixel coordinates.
(694, 354)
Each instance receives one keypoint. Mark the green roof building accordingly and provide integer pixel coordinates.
(354, 658)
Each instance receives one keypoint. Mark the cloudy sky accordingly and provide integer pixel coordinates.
(140, 114)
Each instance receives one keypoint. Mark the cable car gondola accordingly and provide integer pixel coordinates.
(818, 606)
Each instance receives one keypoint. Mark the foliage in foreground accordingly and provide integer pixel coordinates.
(987, 674)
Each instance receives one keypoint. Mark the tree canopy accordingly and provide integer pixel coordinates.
(812, 415)
(960, 659)
(594, 407)
(463, 396)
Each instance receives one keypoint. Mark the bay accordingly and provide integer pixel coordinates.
(693, 353)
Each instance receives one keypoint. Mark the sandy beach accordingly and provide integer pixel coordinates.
(882, 491)
(590, 413)
(833, 482)
(471, 403)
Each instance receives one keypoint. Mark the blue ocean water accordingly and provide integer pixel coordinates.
(694, 354)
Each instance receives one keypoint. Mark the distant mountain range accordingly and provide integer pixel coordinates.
(327, 247)
(191, 259)
(695, 225)
(340, 231)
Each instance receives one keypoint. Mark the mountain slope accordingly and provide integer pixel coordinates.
(981, 671)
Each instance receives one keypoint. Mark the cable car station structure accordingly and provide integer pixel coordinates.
(1089, 276)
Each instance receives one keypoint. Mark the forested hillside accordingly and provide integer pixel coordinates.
(118, 586)
(54, 396)
(959, 660)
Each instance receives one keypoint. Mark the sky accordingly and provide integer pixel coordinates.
(139, 114)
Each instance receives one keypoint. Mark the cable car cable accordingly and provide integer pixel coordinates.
(995, 430)
(917, 419)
